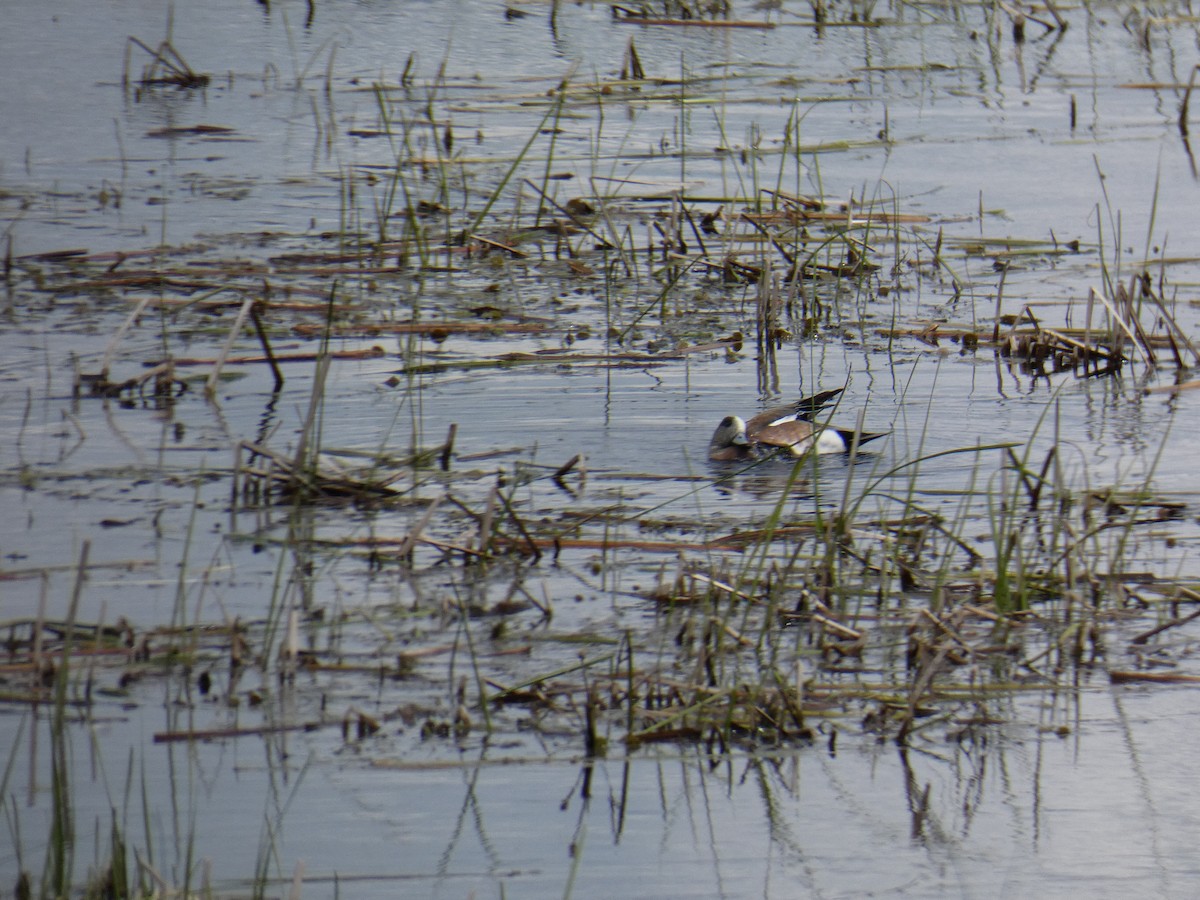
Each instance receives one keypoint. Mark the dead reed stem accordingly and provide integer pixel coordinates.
(210, 386)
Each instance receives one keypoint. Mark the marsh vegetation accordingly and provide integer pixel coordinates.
(358, 496)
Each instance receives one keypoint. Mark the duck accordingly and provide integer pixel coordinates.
(783, 429)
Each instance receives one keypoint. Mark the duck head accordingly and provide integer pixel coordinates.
(729, 441)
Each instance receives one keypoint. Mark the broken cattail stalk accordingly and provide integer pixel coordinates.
(106, 360)
(448, 447)
(1058, 19)
(1117, 677)
(237, 471)
(1187, 99)
(567, 466)
(1174, 623)
(1120, 322)
(485, 522)
(632, 70)
(591, 741)
(736, 635)
(289, 652)
(603, 242)
(266, 344)
(1125, 299)
(999, 301)
(169, 737)
(410, 540)
(1173, 388)
(830, 625)
(210, 386)
(946, 628)
(721, 586)
(512, 251)
(1174, 329)
(529, 541)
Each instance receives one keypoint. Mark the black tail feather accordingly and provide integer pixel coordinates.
(848, 436)
(810, 406)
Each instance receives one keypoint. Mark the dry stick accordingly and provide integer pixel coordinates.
(164, 887)
(237, 472)
(266, 345)
(999, 300)
(512, 513)
(921, 684)
(1087, 324)
(1089, 352)
(687, 213)
(736, 635)
(1119, 677)
(636, 71)
(210, 386)
(639, 17)
(267, 453)
(168, 737)
(1174, 623)
(106, 361)
(1187, 98)
(318, 388)
(788, 257)
(367, 353)
(1053, 9)
(567, 466)
(1176, 355)
(804, 204)
(984, 614)
(1125, 295)
(485, 521)
(76, 593)
(448, 447)
(831, 625)
(298, 872)
(1121, 322)
(1173, 388)
(946, 629)
(566, 212)
(828, 617)
(722, 586)
(69, 637)
(1021, 16)
(40, 624)
(425, 328)
(290, 648)
(1035, 494)
(180, 65)
(516, 254)
(160, 57)
(1173, 326)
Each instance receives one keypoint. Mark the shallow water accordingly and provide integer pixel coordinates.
(1027, 811)
(975, 126)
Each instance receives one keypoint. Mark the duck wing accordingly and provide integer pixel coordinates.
(768, 418)
(776, 416)
(789, 433)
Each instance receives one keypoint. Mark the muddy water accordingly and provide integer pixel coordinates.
(1078, 791)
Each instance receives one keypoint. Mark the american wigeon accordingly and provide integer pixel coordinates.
(783, 428)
